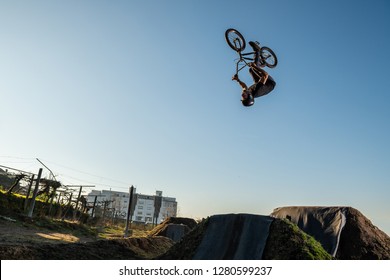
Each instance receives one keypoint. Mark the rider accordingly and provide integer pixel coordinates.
(263, 83)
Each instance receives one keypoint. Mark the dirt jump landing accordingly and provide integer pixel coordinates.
(174, 228)
(323, 223)
(344, 232)
(234, 236)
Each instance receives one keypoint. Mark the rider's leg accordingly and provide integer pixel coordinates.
(258, 74)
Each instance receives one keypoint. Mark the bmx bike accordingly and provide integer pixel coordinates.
(237, 42)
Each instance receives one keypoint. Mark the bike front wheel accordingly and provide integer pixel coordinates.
(235, 40)
(268, 57)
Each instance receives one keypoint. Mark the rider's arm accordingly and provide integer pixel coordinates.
(242, 84)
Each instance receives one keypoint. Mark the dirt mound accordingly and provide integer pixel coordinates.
(343, 231)
(186, 248)
(174, 228)
(234, 237)
(361, 240)
(118, 249)
(285, 241)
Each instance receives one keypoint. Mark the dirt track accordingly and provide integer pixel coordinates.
(17, 233)
(26, 240)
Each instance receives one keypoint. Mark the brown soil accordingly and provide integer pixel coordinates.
(24, 239)
(361, 240)
(17, 232)
(118, 249)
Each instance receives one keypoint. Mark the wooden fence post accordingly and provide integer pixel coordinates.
(94, 205)
(28, 192)
(77, 203)
(32, 204)
(128, 219)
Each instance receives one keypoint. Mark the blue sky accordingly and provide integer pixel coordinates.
(121, 93)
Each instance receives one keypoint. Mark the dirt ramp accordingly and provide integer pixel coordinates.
(234, 237)
(361, 240)
(323, 223)
(174, 228)
(176, 232)
(344, 232)
(245, 236)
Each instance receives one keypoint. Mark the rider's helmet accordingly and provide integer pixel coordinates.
(248, 100)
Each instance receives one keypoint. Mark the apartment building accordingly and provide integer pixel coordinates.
(144, 208)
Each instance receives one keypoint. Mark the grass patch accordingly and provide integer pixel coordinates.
(287, 241)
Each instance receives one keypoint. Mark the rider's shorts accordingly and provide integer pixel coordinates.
(260, 89)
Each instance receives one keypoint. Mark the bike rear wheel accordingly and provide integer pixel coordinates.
(235, 40)
(268, 57)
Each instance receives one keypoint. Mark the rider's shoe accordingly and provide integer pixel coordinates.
(257, 49)
(255, 46)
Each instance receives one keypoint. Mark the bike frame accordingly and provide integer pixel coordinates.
(243, 58)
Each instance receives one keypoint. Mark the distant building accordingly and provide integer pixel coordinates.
(144, 208)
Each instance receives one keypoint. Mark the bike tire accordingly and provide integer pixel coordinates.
(268, 57)
(235, 40)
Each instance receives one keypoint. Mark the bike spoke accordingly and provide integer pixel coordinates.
(236, 41)
(268, 57)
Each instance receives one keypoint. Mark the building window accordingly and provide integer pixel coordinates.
(140, 207)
